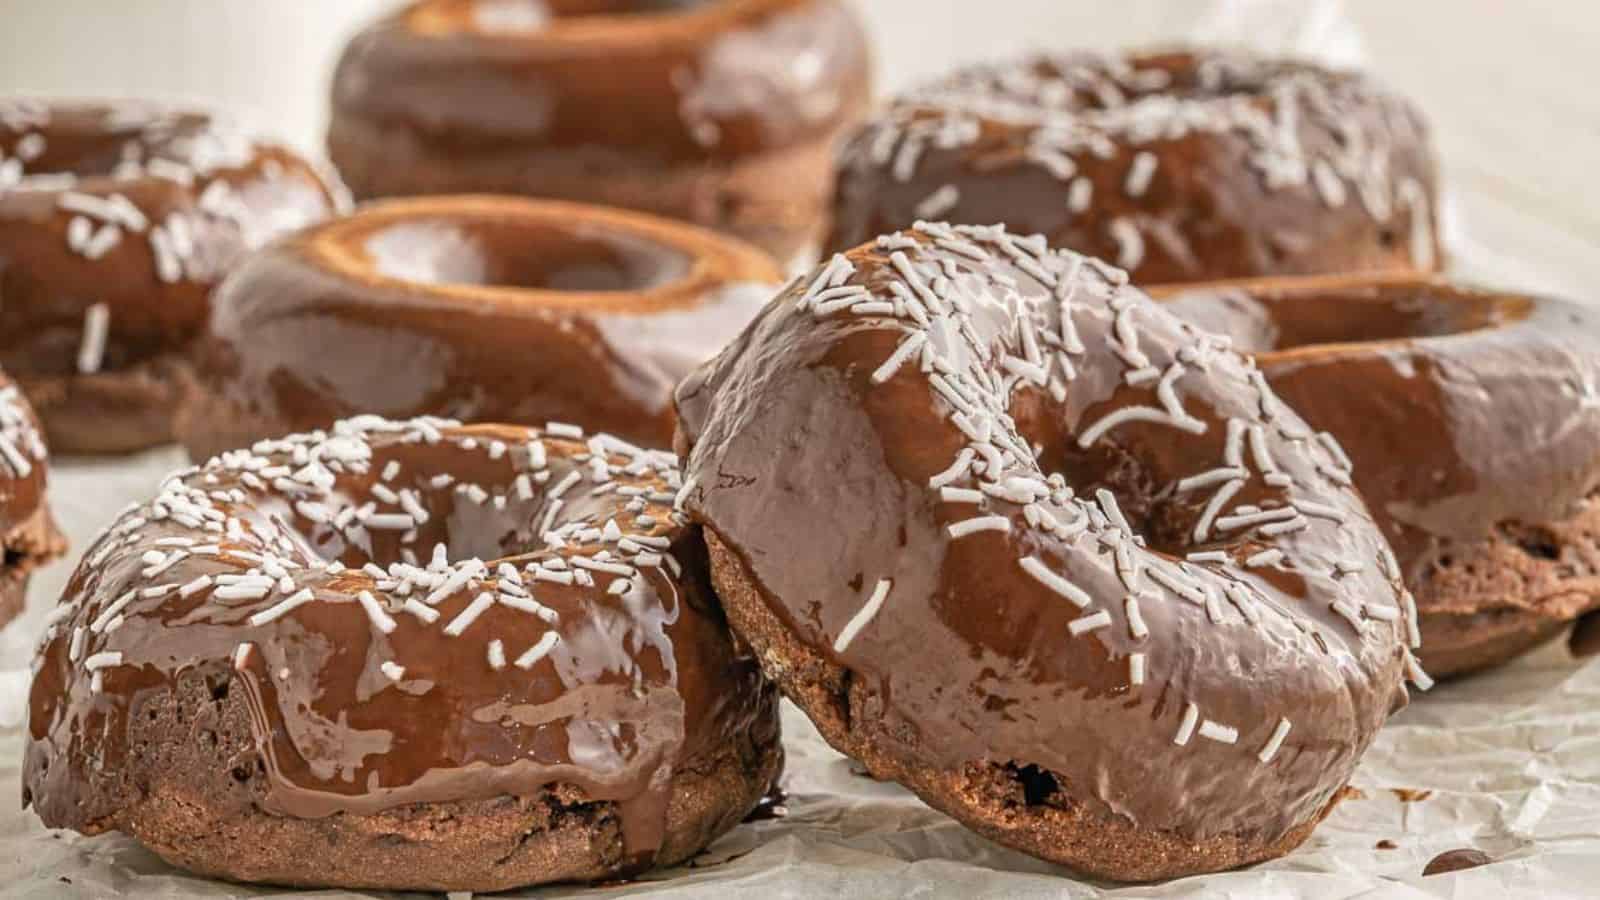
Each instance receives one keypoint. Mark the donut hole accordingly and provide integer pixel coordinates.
(1273, 316)
(537, 256)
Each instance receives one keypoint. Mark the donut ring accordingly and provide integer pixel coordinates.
(28, 534)
(1473, 422)
(117, 220)
(1156, 649)
(479, 308)
(719, 112)
(268, 656)
(1179, 166)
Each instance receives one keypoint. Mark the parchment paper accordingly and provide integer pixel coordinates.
(1507, 762)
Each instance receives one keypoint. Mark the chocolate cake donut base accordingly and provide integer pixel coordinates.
(117, 411)
(31, 543)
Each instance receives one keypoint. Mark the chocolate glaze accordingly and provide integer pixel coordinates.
(488, 309)
(1463, 409)
(1179, 166)
(819, 462)
(138, 207)
(450, 96)
(28, 533)
(635, 674)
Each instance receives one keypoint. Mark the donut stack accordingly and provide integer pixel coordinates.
(524, 491)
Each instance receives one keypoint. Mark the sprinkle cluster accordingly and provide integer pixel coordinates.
(1067, 108)
(21, 446)
(241, 527)
(944, 288)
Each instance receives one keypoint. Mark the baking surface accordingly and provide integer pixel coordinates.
(1507, 762)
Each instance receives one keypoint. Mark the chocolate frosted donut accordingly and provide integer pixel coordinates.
(1019, 539)
(116, 220)
(1473, 418)
(478, 308)
(402, 655)
(719, 112)
(1178, 166)
(28, 534)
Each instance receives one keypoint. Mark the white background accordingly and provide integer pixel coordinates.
(1513, 88)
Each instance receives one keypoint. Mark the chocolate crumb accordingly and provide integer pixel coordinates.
(1411, 795)
(1386, 844)
(1456, 860)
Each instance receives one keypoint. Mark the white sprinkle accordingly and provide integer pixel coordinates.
(538, 651)
(908, 348)
(1268, 557)
(1218, 732)
(1136, 414)
(1202, 528)
(1209, 478)
(389, 522)
(1191, 717)
(497, 655)
(1136, 625)
(1080, 195)
(194, 587)
(241, 656)
(960, 495)
(92, 349)
(1417, 675)
(863, 616)
(1413, 633)
(1140, 173)
(282, 607)
(1136, 669)
(980, 523)
(1130, 243)
(75, 647)
(1043, 574)
(381, 620)
(427, 614)
(1210, 556)
(1082, 624)
(393, 670)
(563, 430)
(103, 660)
(1382, 613)
(938, 203)
(1108, 502)
(1274, 742)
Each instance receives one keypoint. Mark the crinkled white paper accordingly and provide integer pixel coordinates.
(1508, 762)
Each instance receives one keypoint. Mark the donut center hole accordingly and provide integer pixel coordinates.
(527, 16)
(528, 256)
(1262, 322)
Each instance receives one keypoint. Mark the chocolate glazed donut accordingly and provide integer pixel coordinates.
(1019, 539)
(116, 220)
(28, 534)
(719, 112)
(404, 655)
(478, 308)
(1473, 420)
(1178, 166)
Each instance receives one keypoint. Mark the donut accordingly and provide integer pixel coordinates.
(1473, 420)
(489, 309)
(1187, 165)
(28, 534)
(403, 655)
(718, 112)
(116, 220)
(1014, 537)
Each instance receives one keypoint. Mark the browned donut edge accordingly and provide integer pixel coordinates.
(119, 411)
(191, 789)
(30, 544)
(1500, 597)
(991, 799)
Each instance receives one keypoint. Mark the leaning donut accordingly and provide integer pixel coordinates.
(403, 655)
(479, 308)
(1179, 166)
(28, 534)
(1473, 419)
(1015, 537)
(116, 220)
(719, 112)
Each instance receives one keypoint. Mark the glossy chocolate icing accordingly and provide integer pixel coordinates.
(135, 209)
(1179, 166)
(24, 460)
(562, 632)
(487, 309)
(820, 448)
(586, 100)
(1463, 409)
